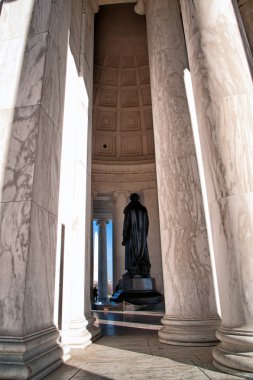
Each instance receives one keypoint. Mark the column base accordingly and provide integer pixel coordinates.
(95, 331)
(78, 335)
(32, 356)
(234, 355)
(189, 332)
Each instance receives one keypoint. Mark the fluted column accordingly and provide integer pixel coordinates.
(102, 260)
(246, 11)
(224, 101)
(118, 249)
(189, 293)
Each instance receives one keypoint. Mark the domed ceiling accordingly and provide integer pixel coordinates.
(122, 115)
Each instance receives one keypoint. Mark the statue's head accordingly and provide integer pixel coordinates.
(134, 197)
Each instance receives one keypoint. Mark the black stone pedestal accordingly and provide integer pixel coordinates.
(138, 290)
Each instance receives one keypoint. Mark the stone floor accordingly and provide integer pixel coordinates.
(128, 353)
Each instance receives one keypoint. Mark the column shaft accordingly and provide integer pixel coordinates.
(224, 100)
(118, 249)
(102, 261)
(189, 294)
(32, 112)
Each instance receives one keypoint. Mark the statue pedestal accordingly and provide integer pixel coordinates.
(138, 290)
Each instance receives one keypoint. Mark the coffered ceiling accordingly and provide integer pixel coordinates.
(122, 114)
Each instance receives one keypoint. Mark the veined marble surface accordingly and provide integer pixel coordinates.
(15, 19)
(59, 25)
(6, 119)
(47, 165)
(233, 244)
(28, 242)
(40, 271)
(223, 94)
(189, 291)
(40, 17)
(15, 219)
(126, 353)
(11, 58)
(19, 174)
(31, 81)
(32, 170)
(52, 98)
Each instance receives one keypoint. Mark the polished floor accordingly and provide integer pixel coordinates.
(128, 353)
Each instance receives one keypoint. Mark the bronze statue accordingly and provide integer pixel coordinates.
(135, 233)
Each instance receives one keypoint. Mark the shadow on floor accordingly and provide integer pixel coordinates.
(124, 353)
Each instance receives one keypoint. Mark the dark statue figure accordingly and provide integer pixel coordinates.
(136, 286)
(135, 233)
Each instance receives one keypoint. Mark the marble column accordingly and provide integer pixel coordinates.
(102, 260)
(32, 87)
(223, 95)
(74, 207)
(246, 11)
(190, 315)
(121, 200)
(89, 8)
(150, 201)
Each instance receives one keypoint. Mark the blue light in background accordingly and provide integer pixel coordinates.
(109, 248)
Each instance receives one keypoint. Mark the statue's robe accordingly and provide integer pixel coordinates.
(135, 233)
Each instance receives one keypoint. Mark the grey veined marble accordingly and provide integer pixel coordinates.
(189, 293)
(223, 94)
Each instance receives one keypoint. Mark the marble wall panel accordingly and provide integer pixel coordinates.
(15, 219)
(89, 36)
(88, 81)
(32, 170)
(40, 17)
(54, 85)
(59, 25)
(15, 19)
(11, 59)
(32, 76)
(40, 272)
(19, 172)
(232, 220)
(47, 166)
(6, 119)
(75, 29)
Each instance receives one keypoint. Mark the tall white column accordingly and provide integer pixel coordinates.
(223, 94)
(102, 260)
(73, 193)
(89, 7)
(188, 285)
(121, 198)
(31, 111)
